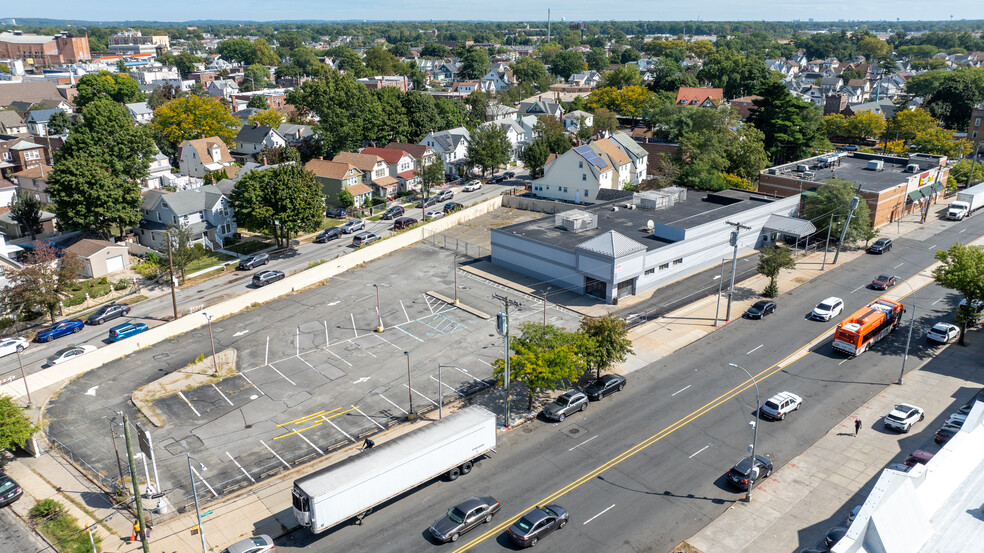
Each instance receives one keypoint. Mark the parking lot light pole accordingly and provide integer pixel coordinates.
(410, 415)
(194, 492)
(379, 314)
(754, 425)
(211, 338)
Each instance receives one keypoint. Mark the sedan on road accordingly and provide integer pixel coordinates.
(253, 261)
(429, 202)
(353, 225)
(568, 403)
(12, 345)
(327, 235)
(828, 308)
(606, 385)
(263, 278)
(472, 186)
(254, 544)
(760, 309)
(943, 333)
(463, 517)
(64, 328)
(743, 476)
(68, 353)
(534, 525)
(393, 213)
(108, 313)
(433, 214)
(903, 416)
(884, 282)
(882, 245)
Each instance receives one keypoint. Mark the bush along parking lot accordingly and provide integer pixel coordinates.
(61, 528)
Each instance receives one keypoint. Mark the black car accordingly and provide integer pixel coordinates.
(743, 477)
(496, 179)
(9, 490)
(508, 175)
(760, 309)
(463, 517)
(335, 213)
(393, 212)
(882, 245)
(254, 261)
(451, 207)
(834, 535)
(263, 278)
(606, 385)
(328, 234)
(107, 313)
(944, 434)
(534, 525)
(404, 222)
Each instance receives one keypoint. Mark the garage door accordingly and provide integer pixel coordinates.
(114, 264)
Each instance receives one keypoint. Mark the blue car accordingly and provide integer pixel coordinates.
(125, 330)
(64, 328)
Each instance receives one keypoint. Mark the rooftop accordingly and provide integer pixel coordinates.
(854, 168)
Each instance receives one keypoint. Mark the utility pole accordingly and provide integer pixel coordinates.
(410, 415)
(502, 327)
(912, 322)
(973, 164)
(170, 265)
(734, 263)
(826, 245)
(119, 465)
(23, 376)
(136, 487)
(850, 215)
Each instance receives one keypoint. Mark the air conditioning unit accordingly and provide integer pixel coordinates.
(875, 165)
(912, 168)
(802, 168)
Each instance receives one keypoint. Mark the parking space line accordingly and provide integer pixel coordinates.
(393, 404)
(390, 343)
(421, 395)
(311, 444)
(192, 406)
(582, 443)
(483, 361)
(599, 514)
(297, 341)
(305, 362)
(427, 301)
(355, 330)
(204, 482)
(446, 385)
(327, 342)
(251, 383)
(466, 373)
(938, 301)
(340, 430)
(753, 351)
(221, 394)
(405, 314)
(698, 451)
(407, 333)
(275, 454)
(339, 357)
(381, 427)
(266, 358)
(858, 288)
(899, 265)
(251, 479)
(282, 374)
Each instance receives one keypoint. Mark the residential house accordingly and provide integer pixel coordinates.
(881, 107)
(17, 154)
(14, 230)
(829, 85)
(636, 152)
(222, 88)
(613, 154)
(498, 110)
(401, 82)
(100, 257)
(244, 114)
(37, 121)
(975, 128)
(744, 105)
(500, 77)
(585, 79)
(11, 123)
(699, 96)
(335, 176)
(197, 158)
(542, 106)
(857, 90)
(402, 168)
(518, 136)
(8, 191)
(296, 135)
(452, 146)
(205, 211)
(467, 87)
(448, 71)
(140, 112)
(576, 176)
(253, 139)
(573, 120)
(422, 155)
(35, 92)
(375, 170)
(159, 172)
(34, 181)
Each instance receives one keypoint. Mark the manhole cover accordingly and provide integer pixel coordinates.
(574, 431)
(527, 430)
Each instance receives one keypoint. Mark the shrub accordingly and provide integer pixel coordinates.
(5, 323)
(74, 300)
(45, 509)
(121, 284)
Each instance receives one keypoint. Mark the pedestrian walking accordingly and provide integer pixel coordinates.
(368, 444)
(857, 426)
(136, 531)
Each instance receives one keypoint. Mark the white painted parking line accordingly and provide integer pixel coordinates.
(275, 454)
(251, 383)
(388, 342)
(933, 247)
(327, 342)
(339, 429)
(221, 394)
(938, 301)
(400, 328)
(393, 404)
(192, 406)
(316, 448)
(858, 288)
(427, 300)
(582, 443)
(753, 351)
(266, 357)
(283, 375)
(355, 330)
(405, 314)
(463, 371)
(422, 395)
(485, 362)
(340, 358)
(381, 427)
(599, 514)
(680, 390)
(962, 231)
(204, 482)
(251, 479)
(446, 385)
(899, 265)
(698, 451)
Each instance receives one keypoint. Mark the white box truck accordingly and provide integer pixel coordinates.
(353, 487)
(968, 201)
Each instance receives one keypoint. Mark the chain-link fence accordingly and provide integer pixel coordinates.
(460, 246)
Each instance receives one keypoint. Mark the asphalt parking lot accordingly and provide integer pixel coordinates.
(313, 374)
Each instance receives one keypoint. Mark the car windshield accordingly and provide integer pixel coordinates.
(894, 417)
(7, 484)
(759, 305)
(550, 511)
(456, 515)
(824, 307)
(881, 242)
(563, 400)
(942, 328)
(883, 278)
(524, 524)
(771, 404)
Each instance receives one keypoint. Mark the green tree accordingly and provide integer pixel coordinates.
(267, 118)
(348, 60)
(431, 175)
(345, 198)
(605, 120)
(263, 53)
(566, 63)
(434, 50)
(771, 261)
(348, 114)
(237, 50)
(256, 77)
(379, 61)
(282, 202)
(117, 87)
(962, 269)
(608, 342)
(545, 357)
(44, 280)
(953, 102)
(15, 428)
(792, 127)
(184, 62)
(733, 71)
(623, 76)
(596, 59)
(529, 70)
(163, 94)
(191, 117)
(489, 148)
(475, 64)
(401, 50)
(926, 83)
(906, 125)
(26, 210)
(534, 156)
(833, 197)
(183, 253)
(553, 133)
(59, 123)
(289, 42)
(960, 174)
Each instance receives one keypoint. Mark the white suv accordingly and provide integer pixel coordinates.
(781, 404)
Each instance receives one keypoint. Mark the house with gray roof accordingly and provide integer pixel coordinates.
(253, 139)
(140, 112)
(296, 135)
(542, 106)
(11, 123)
(37, 121)
(452, 146)
(205, 211)
(638, 155)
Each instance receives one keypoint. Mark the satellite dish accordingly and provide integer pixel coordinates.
(650, 225)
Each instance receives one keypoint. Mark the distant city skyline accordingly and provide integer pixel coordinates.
(503, 10)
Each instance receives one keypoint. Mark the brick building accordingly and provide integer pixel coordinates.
(975, 132)
(44, 50)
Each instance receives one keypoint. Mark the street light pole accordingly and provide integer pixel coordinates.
(547, 291)
(379, 314)
(754, 424)
(194, 492)
(850, 215)
(826, 245)
(215, 363)
(170, 265)
(23, 376)
(912, 322)
(410, 415)
(440, 393)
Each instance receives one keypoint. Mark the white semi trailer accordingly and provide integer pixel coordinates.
(968, 201)
(350, 489)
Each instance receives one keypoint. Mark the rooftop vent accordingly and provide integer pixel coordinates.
(576, 220)
(912, 168)
(875, 164)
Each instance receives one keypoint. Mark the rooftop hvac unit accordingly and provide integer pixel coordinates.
(659, 199)
(576, 220)
(802, 168)
(875, 165)
(912, 168)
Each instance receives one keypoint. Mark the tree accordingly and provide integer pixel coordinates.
(191, 117)
(489, 148)
(256, 77)
(475, 64)
(258, 101)
(872, 47)
(631, 101)
(546, 358)
(432, 175)
(792, 127)
(960, 172)
(59, 123)
(553, 133)
(182, 253)
(567, 63)
(379, 61)
(15, 428)
(26, 210)
(529, 70)
(906, 124)
(184, 62)
(163, 94)
(42, 283)
(345, 198)
(434, 50)
(276, 156)
(865, 125)
(771, 261)
(623, 76)
(834, 198)
(289, 41)
(282, 202)
(348, 113)
(609, 342)
(237, 50)
(267, 118)
(962, 269)
(953, 102)
(596, 59)
(117, 87)
(401, 50)
(605, 120)
(733, 71)
(941, 141)
(534, 156)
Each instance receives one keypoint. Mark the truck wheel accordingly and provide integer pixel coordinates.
(466, 467)
(454, 473)
(454, 537)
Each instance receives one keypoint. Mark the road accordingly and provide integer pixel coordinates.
(15, 534)
(644, 470)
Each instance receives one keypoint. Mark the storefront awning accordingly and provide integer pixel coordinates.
(790, 226)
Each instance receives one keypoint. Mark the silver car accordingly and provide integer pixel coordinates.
(463, 517)
(568, 403)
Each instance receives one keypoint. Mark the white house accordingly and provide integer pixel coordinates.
(638, 154)
(158, 174)
(222, 88)
(500, 76)
(610, 152)
(452, 146)
(253, 139)
(140, 112)
(576, 176)
(199, 157)
(204, 211)
(572, 120)
(516, 133)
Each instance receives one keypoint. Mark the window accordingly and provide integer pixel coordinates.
(649, 272)
(974, 134)
(664, 266)
(977, 122)
(32, 154)
(548, 187)
(565, 189)
(678, 261)
(584, 176)
(586, 194)
(580, 165)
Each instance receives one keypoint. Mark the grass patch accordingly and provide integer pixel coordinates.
(207, 260)
(314, 264)
(61, 528)
(207, 276)
(247, 247)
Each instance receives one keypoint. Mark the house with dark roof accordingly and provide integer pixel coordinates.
(100, 257)
(18, 154)
(205, 211)
(541, 106)
(199, 157)
(452, 146)
(253, 139)
(296, 135)
(37, 121)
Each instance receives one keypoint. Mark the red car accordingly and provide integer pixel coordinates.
(918, 457)
(884, 282)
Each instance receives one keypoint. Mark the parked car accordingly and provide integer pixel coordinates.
(944, 434)
(884, 282)
(68, 353)
(328, 235)
(955, 420)
(126, 330)
(901, 467)
(263, 278)
(254, 544)
(508, 175)
(743, 476)
(854, 514)
(364, 238)
(780, 405)
(882, 245)
(393, 212)
(849, 147)
(107, 313)
(64, 328)
(430, 201)
(536, 524)
(976, 305)
(464, 517)
(903, 416)
(404, 222)
(569, 402)
(606, 385)
(834, 535)
(472, 186)
(251, 262)
(433, 214)
(352, 225)
(918, 457)
(10, 491)
(760, 309)
(828, 308)
(335, 213)
(12, 345)
(444, 195)
(451, 207)
(496, 179)
(943, 333)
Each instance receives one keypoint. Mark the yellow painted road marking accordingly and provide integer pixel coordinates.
(319, 423)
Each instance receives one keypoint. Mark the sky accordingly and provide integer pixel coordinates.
(501, 10)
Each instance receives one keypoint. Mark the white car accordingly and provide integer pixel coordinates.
(903, 416)
(976, 305)
(943, 333)
(433, 214)
(830, 307)
(12, 345)
(780, 405)
(955, 420)
(472, 186)
(71, 352)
